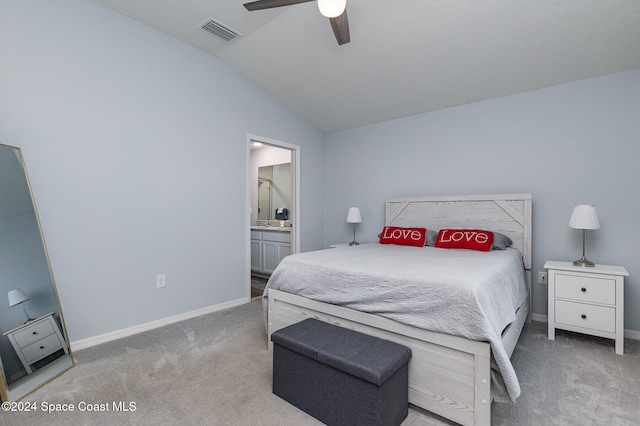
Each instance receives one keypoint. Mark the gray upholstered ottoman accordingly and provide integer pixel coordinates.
(340, 376)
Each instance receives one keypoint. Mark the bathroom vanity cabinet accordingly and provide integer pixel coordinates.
(268, 248)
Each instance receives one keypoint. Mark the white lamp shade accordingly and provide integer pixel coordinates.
(17, 296)
(332, 8)
(353, 216)
(584, 217)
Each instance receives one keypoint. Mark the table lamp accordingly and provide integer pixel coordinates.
(353, 216)
(18, 297)
(584, 217)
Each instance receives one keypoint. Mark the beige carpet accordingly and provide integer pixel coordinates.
(216, 370)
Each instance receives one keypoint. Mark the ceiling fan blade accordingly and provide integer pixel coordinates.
(269, 4)
(340, 25)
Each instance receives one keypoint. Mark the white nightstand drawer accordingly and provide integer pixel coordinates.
(586, 289)
(34, 333)
(42, 348)
(600, 318)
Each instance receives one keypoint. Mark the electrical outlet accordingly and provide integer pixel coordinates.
(542, 277)
(161, 281)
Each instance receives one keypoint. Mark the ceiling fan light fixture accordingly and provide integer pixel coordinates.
(332, 8)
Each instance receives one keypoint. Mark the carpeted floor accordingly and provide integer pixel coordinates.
(216, 370)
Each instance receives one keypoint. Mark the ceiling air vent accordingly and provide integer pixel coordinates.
(219, 30)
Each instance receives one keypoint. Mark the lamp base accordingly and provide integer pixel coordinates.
(584, 262)
(29, 319)
(354, 243)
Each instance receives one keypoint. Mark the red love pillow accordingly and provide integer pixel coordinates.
(472, 239)
(403, 236)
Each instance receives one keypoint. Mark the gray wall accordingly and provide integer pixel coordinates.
(571, 144)
(136, 146)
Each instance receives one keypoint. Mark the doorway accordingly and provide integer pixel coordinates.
(273, 201)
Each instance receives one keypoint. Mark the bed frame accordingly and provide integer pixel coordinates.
(448, 375)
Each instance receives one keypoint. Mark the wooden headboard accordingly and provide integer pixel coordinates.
(509, 214)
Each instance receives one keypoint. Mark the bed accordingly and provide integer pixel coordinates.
(449, 374)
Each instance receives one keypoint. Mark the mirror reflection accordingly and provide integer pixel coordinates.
(33, 344)
(274, 192)
(271, 185)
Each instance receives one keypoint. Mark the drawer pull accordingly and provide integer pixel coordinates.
(41, 347)
(584, 290)
(35, 332)
(584, 316)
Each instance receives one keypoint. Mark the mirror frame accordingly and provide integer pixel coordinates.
(5, 393)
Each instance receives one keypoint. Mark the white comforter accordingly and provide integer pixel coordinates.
(461, 292)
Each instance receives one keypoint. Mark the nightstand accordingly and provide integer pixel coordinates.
(339, 245)
(37, 339)
(587, 300)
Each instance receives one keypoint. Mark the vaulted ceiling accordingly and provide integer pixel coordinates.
(405, 56)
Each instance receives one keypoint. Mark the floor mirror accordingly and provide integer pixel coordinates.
(34, 345)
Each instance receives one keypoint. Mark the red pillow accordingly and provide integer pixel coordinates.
(403, 236)
(472, 239)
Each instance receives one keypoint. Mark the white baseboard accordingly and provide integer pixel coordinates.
(628, 334)
(114, 335)
(538, 317)
(632, 334)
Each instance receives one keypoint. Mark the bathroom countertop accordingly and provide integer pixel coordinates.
(271, 228)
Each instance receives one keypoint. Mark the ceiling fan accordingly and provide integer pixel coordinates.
(335, 10)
